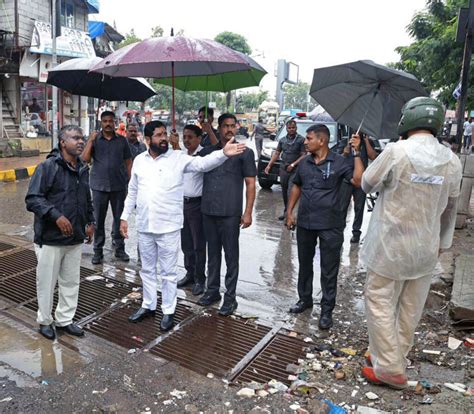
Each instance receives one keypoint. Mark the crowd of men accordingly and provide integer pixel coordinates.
(193, 198)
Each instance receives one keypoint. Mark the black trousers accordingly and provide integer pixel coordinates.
(222, 232)
(348, 191)
(286, 181)
(330, 244)
(193, 241)
(101, 200)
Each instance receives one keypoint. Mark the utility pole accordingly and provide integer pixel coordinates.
(54, 61)
(464, 33)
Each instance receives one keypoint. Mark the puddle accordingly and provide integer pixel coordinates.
(25, 351)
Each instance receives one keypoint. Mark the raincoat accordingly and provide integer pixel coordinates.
(418, 181)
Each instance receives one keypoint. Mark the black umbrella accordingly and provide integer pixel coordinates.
(74, 76)
(365, 95)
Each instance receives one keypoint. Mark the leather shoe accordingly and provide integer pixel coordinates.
(325, 321)
(300, 306)
(71, 329)
(140, 314)
(185, 281)
(227, 310)
(47, 331)
(97, 259)
(198, 289)
(207, 300)
(355, 239)
(122, 256)
(167, 322)
(282, 217)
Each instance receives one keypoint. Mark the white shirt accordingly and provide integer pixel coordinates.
(467, 128)
(418, 181)
(193, 180)
(156, 188)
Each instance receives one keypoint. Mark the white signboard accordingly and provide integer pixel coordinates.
(71, 43)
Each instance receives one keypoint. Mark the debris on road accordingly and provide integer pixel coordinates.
(246, 392)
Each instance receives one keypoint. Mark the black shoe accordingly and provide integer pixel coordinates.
(140, 314)
(227, 310)
(71, 329)
(325, 321)
(185, 281)
(300, 306)
(122, 256)
(167, 322)
(198, 289)
(355, 239)
(47, 331)
(207, 300)
(98, 258)
(282, 217)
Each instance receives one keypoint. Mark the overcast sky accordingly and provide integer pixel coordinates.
(310, 33)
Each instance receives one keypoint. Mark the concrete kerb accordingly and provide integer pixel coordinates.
(17, 173)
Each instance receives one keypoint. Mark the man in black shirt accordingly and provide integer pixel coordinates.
(320, 216)
(210, 135)
(136, 147)
(111, 169)
(291, 148)
(221, 205)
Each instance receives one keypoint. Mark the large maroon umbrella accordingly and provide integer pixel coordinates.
(172, 57)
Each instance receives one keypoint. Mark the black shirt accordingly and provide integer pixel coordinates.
(206, 139)
(136, 148)
(108, 170)
(320, 207)
(363, 149)
(222, 191)
(291, 148)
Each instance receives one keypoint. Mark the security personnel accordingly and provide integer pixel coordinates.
(291, 148)
(418, 180)
(318, 181)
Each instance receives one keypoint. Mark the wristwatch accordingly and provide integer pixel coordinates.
(356, 154)
(292, 165)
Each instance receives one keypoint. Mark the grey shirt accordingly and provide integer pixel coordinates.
(222, 192)
(291, 148)
(108, 171)
(136, 148)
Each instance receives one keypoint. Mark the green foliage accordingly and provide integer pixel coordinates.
(129, 39)
(296, 96)
(434, 57)
(234, 41)
(250, 101)
(156, 31)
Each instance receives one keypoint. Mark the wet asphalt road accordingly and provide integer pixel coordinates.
(268, 252)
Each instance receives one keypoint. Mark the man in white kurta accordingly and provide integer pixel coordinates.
(418, 181)
(156, 191)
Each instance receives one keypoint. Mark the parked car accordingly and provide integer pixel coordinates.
(302, 124)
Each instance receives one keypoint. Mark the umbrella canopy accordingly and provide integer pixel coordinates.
(75, 77)
(365, 95)
(220, 82)
(168, 57)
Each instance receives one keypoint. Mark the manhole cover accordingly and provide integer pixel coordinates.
(211, 344)
(17, 262)
(115, 327)
(6, 246)
(271, 363)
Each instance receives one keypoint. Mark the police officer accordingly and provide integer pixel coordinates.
(291, 148)
(320, 217)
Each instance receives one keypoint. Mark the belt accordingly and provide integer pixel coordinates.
(191, 199)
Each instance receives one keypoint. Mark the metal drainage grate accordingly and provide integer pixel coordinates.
(115, 327)
(19, 288)
(211, 344)
(17, 262)
(6, 246)
(94, 297)
(271, 363)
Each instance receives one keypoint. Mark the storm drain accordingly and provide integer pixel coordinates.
(95, 296)
(115, 327)
(271, 363)
(211, 344)
(20, 288)
(17, 262)
(6, 246)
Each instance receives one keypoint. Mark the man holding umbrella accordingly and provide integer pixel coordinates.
(318, 181)
(418, 180)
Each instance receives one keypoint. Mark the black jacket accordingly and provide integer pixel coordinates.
(56, 190)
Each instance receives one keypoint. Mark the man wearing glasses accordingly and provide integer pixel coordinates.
(318, 181)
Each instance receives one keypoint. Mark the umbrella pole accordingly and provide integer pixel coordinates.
(172, 96)
(368, 109)
(207, 98)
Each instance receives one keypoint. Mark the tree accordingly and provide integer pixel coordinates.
(250, 101)
(296, 96)
(434, 57)
(129, 39)
(236, 42)
(157, 31)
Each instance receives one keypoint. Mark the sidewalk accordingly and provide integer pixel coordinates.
(17, 168)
